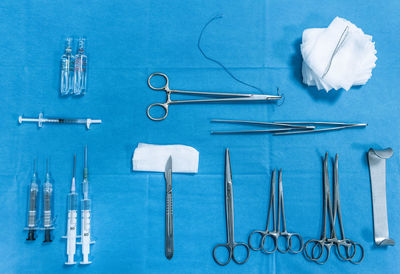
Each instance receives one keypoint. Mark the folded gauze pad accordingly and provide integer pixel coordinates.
(147, 157)
(338, 56)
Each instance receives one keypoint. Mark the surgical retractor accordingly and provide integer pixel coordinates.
(33, 205)
(377, 171)
(72, 221)
(85, 216)
(48, 219)
(40, 120)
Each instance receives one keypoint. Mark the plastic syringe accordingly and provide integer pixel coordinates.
(85, 216)
(48, 220)
(40, 120)
(72, 223)
(33, 205)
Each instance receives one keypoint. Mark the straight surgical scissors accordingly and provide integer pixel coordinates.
(224, 97)
(318, 247)
(276, 233)
(230, 245)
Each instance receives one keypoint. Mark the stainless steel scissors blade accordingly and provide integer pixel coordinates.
(229, 198)
(230, 245)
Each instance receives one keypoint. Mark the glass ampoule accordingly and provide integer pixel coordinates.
(67, 67)
(80, 72)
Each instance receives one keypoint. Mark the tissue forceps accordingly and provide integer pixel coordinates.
(230, 245)
(276, 232)
(286, 127)
(224, 97)
(318, 247)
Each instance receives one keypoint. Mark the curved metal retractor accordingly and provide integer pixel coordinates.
(221, 97)
(318, 251)
(230, 245)
(377, 172)
(263, 243)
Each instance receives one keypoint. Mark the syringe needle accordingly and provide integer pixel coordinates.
(74, 167)
(73, 176)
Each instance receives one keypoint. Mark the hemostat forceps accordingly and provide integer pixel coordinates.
(346, 249)
(230, 245)
(223, 97)
(276, 233)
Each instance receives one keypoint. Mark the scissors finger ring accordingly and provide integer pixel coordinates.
(321, 259)
(348, 245)
(230, 251)
(287, 243)
(247, 253)
(275, 243)
(315, 243)
(260, 233)
(162, 105)
(299, 238)
(164, 87)
(362, 254)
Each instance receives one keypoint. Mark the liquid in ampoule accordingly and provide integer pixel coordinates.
(67, 67)
(80, 73)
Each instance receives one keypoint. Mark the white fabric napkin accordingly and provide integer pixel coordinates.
(148, 157)
(336, 57)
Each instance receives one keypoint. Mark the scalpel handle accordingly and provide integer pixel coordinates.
(169, 227)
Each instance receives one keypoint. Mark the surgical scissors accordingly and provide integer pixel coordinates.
(224, 97)
(230, 245)
(276, 233)
(326, 243)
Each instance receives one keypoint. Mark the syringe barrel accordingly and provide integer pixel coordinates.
(85, 188)
(85, 218)
(33, 199)
(86, 203)
(73, 201)
(32, 218)
(32, 212)
(47, 204)
(71, 235)
(47, 196)
(47, 219)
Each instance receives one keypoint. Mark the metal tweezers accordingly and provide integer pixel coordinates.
(287, 128)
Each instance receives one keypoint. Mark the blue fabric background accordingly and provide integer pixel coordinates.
(126, 41)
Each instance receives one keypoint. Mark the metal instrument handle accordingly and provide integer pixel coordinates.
(169, 228)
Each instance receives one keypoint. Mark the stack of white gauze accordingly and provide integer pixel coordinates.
(339, 56)
(148, 157)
